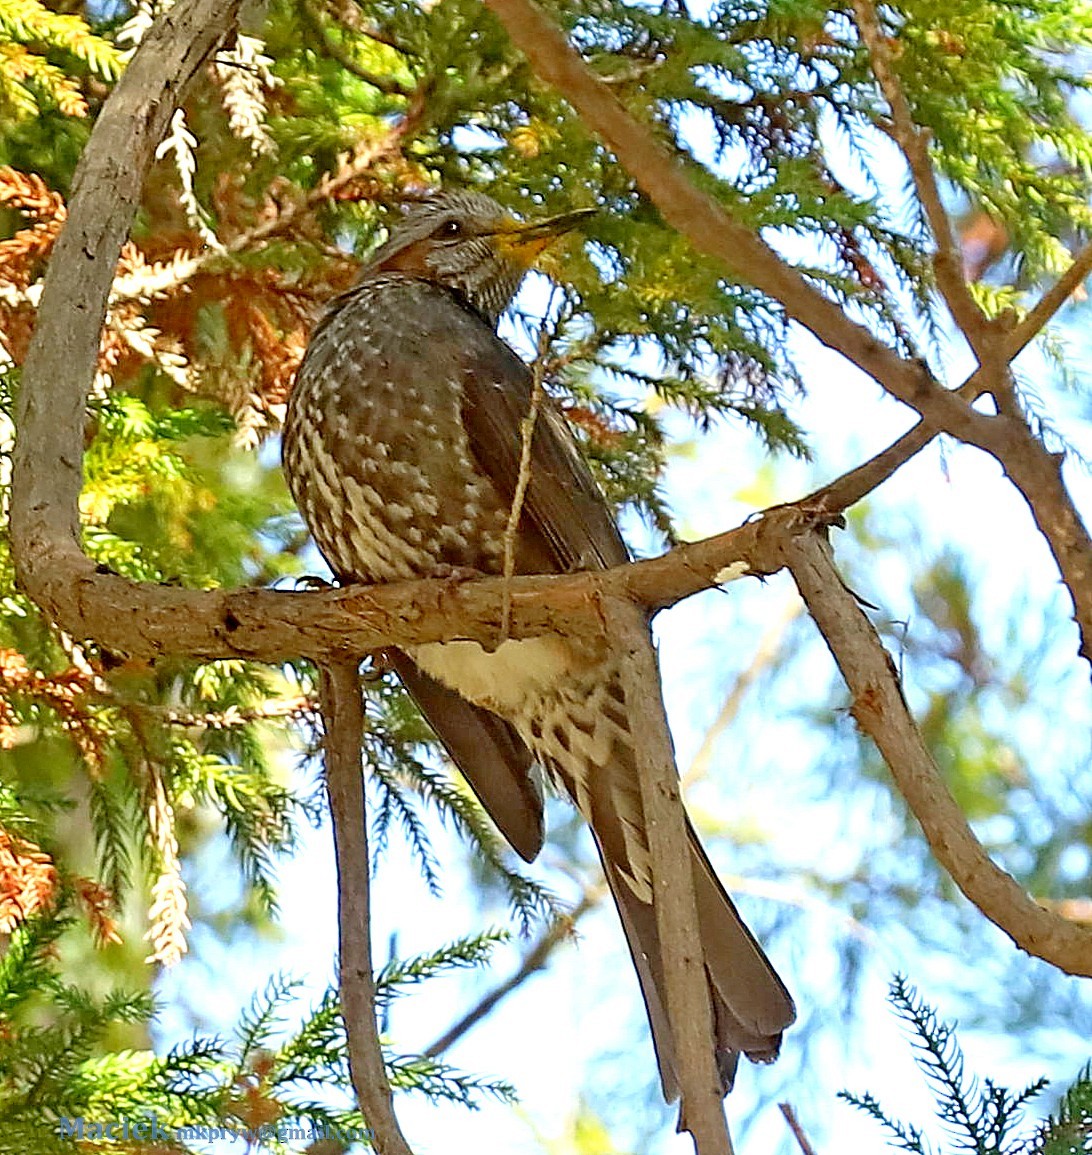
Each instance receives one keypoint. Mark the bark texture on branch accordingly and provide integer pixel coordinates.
(689, 1010)
(881, 711)
(343, 723)
(60, 365)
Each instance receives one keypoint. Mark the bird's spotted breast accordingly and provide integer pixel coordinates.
(374, 447)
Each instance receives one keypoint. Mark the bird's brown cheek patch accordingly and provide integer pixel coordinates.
(409, 260)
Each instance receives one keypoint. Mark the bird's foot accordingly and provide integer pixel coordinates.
(311, 581)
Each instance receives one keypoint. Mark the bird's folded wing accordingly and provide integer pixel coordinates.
(491, 756)
(564, 511)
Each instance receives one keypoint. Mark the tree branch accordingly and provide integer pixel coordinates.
(559, 931)
(689, 1009)
(710, 227)
(712, 230)
(798, 1133)
(881, 711)
(105, 192)
(343, 725)
(385, 84)
(146, 621)
(946, 261)
(1050, 302)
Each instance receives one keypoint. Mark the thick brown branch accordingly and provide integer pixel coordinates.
(146, 621)
(689, 1009)
(105, 192)
(343, 725)
(881, 711)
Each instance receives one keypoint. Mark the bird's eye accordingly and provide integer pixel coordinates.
(449, 229)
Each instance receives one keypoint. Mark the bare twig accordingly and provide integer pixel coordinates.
(802, 1140)
(276, 709)
(343, 724)
(1051, 301)
(881, 711)
(947, 262)
(855, 485)
(559, 931)
(689, 1009)
(523, 478)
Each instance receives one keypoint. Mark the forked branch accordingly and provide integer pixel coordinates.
(947, 264)
(713, 230)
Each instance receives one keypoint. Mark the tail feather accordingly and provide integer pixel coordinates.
(751, 1007)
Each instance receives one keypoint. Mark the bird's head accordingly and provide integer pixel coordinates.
(465, 240)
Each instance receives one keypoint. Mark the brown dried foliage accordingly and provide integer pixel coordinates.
(28, 880)
(267, 317)
(66, 694)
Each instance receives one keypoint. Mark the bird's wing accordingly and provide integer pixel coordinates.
(488, 752)
(566, 523)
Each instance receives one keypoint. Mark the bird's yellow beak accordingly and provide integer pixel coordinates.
(521, 241)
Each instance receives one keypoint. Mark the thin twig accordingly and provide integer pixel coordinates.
(558, 932)
(947, 263)
(765, 655)
(855, 485)
(689, 1009)
(511, 529)
(275, 709)
(798, 1132)
(343, 724)
(1050, 302)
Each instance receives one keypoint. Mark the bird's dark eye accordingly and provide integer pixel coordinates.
(449, 229)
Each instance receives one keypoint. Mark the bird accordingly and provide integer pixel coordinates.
(401, 448)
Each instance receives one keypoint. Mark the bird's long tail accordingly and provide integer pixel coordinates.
(584, 739)
(751, 1007)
